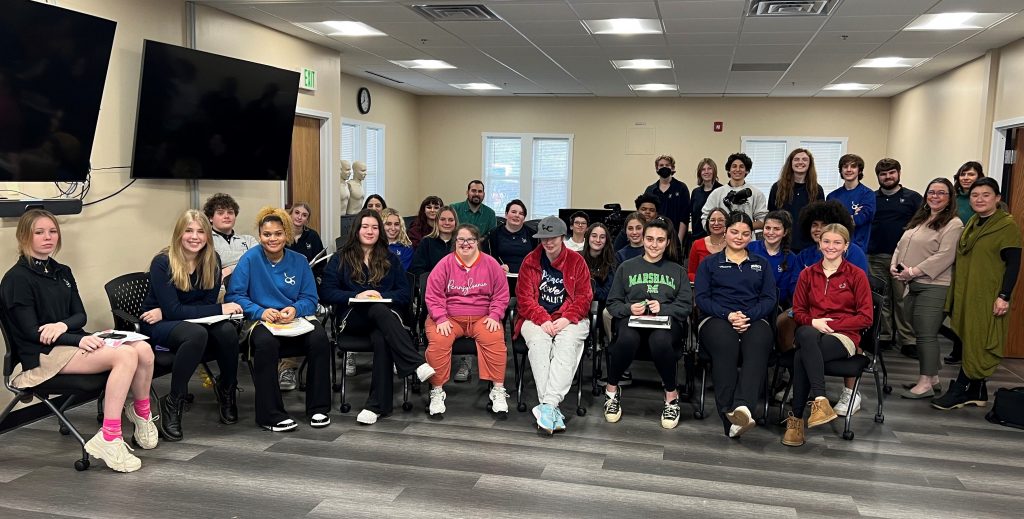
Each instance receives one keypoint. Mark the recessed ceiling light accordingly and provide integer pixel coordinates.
(891, 62)
(954, 21)
(623, 26)
(475, 86)
(641, 64)
(851, 86)
(429, 64)
(351, 29)
(653, 87)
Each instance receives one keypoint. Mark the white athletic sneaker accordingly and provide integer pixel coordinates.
(843, 404)
(424, 372)
(437, 396)
(499, 402)
(367, 417)
(464, 371)
(115, 453)
(145, 430)
(350, 364)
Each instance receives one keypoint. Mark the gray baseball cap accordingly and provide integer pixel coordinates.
(550, 227)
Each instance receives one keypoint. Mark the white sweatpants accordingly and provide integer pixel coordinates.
(554, 359)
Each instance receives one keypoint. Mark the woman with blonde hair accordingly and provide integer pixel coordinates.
(397, 239)
(184, 282)
(438, 243)
(797, 187)
(707, 181)
(45, 315)
(275, 288)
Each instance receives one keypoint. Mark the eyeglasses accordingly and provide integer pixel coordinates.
(467, 241)
(937, 193)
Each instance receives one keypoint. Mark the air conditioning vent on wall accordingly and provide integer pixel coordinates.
(791, 7)
(456, 13)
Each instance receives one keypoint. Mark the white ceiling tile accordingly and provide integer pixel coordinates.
(379, 13)
(701, 50)
(519, 12)
(560, 40)
(868, 23)
(702, 9)
(978, 6)
(634, 77)
(783, 24)
(766, 53)
(300, 12)
(477, 28)
(883, 7)
(870, 76)
(574, 51)
(775, 37)
(706, 38)
(917, 50)
(845, 48)
(637, 52)
(563, 28)
(676, 26)
(701, 66)
(504, 40)
(837, 37)
(614, 40)
(915, 37)
(371, 44)
(601, 11)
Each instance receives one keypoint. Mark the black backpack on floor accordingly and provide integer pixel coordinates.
(1008, 408)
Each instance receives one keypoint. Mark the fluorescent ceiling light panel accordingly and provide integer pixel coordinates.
(891, 62)
(653, 87)
(351, 29)
(850, 86)
(623, 26)
(475, 86)
(429, 64)
(641, 64)
(954, 21)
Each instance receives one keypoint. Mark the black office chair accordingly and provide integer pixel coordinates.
(74, 388)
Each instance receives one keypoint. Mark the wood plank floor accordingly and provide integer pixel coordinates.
(918, 463)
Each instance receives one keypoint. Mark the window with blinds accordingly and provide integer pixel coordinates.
(769, 155)
(533, 168)
(365, 142)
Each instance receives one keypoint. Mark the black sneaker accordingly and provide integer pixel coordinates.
(612, 408)
(626, 378)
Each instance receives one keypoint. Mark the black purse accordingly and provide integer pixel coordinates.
(1008, 408)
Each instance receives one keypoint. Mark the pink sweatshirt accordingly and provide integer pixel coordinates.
(480, 291)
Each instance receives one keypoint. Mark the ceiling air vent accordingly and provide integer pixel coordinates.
(456, 13)
(791, 7)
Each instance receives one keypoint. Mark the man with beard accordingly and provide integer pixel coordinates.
(895, 205)
(474, 211)
(673, 195)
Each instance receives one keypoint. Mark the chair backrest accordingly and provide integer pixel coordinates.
(11, 358)
(127, 292)
(869, 338)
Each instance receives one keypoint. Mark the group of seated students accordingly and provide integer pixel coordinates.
(820, 300)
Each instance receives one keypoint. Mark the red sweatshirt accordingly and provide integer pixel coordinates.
(845, 297)
(578, 293)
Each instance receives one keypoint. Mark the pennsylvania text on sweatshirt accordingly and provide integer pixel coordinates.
(257, 284)
(458, 290)
(639, 280)
(724, 287)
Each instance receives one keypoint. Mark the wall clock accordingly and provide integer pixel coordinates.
(363, 100)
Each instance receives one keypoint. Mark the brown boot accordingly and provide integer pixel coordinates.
(821, 412)
(794, 436)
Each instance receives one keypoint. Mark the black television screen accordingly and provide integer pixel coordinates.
(206, 116)
(53, 63)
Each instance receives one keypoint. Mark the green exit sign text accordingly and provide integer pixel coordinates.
(307, 81)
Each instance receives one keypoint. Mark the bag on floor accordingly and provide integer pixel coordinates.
(1008, 409)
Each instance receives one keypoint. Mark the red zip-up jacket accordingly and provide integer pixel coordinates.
(575, 277)
(845, 297)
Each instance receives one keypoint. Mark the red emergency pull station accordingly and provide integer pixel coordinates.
(718, 126)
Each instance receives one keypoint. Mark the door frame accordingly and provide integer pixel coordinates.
(329, 216)
(999, 129)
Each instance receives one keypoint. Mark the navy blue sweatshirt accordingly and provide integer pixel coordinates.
(338, 286)
(509, 248)
(724, 287)
(800, 200)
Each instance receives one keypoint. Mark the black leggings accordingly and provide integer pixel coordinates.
(665, 346)
(189, 341)
(725, 346)
(813, 350)
(266, 351)
(392, 346)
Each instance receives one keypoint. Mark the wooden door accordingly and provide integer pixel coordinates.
(304, 167)
(1015, 198)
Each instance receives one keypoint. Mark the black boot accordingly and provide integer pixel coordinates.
(228, 407)
(977, 390)
(963, 391)
(170, 417)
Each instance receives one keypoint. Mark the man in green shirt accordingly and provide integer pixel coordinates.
(474, 211)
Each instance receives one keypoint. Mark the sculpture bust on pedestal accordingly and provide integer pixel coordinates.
(355, 188)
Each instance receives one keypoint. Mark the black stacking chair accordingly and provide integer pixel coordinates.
(75, 388)
(346, 343)
(643, 353)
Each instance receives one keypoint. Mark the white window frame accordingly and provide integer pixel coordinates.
(526, 160)
(359, 148)
(793, 142)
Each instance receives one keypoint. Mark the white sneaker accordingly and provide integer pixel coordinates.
(145, 430)
(843, 405)
(437, 396)
(499, 402)
(462, 374)
(424, 372)
(350, 364)
(115, 453)
(367, 417)
(287, 380)
(319, 421)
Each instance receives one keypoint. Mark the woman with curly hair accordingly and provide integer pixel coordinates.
(813, 219)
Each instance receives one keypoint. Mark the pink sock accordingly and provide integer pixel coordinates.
(141, 408)
(111, 429)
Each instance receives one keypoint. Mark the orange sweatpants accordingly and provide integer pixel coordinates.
(490, 349)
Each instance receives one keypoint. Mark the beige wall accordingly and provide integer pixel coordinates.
(450, 145)
(1009, 103)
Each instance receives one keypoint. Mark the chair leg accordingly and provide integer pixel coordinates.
(847, 433)
(699, 413)
(63, 407)
(767, 400)
(344, 406)
(879, 413)
(580, 410)
(406, 404)
(885, 374)
(520, 367)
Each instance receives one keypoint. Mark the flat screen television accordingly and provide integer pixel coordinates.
(206, 116)
(53, 64)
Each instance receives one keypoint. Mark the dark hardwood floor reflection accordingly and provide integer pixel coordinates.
(918, 463)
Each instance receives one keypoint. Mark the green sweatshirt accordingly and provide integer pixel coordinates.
(639, 280)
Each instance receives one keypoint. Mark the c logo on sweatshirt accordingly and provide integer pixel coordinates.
(289, 279)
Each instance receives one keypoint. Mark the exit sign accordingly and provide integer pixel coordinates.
(307, 80)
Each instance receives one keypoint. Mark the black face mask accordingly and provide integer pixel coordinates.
(665, 172)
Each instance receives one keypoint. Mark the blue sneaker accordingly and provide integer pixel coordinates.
(546, 420)
(559, 420)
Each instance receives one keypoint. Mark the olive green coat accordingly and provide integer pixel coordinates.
(977, 278)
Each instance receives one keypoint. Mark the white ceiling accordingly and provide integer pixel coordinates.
(541, 48)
